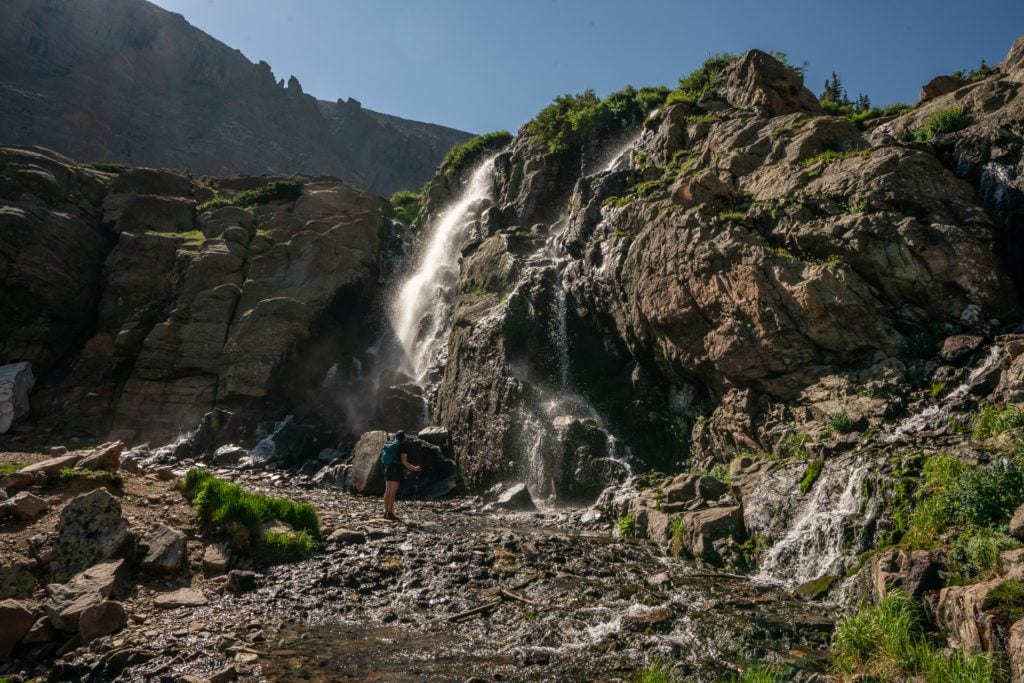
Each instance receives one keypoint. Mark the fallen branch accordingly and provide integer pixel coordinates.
(512, 596)
(476, 610)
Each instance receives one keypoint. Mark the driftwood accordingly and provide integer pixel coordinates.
(488, 606)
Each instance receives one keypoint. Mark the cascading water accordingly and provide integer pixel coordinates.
(813, 546)
(420, 313)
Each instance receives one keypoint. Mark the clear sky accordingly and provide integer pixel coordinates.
(482, 65)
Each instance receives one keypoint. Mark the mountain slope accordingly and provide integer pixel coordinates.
(126, 81)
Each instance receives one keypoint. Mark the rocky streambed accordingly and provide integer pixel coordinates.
(452, 592)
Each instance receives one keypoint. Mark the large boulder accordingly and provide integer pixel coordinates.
(67, 601)
(16, 618)
(24, 506)
(707, 533)
(366, 476)
(761, 82)
(91, 530)
(164, 550)
(693, 490)
(941, 85)
(16, 382)
(962, 614)
(913, 572)
(106, 457)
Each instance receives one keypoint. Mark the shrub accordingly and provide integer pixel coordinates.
(987, 495)
(701, 81)
(571, 119)
(407, 205)
(994, 419)
(275, 191)
(830, 155)
(280, 548)
(942, 122)
(461, 156)
(839, 423)
(1009, 597)
(975, 553)
(230, 510)
(658, 671)
(760, 674)
(862, 117)
(627, 526)
(811, 475)
(794, 445)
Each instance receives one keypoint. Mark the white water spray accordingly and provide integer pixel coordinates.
(420, 312)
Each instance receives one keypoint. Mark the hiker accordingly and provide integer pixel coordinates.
(395, 459)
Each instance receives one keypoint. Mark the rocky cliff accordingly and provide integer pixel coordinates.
(125, 81)
(141, 314)
(748, 265)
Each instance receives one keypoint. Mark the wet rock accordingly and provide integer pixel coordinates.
(515, 497)
(164, 549)
(52, 466)
(101, 619)
(216, 558)
(91, 529)
(816, 589)
(332, 476)
(401, 407)
(659, 579)
(225, 675)
(184, 597)
(16, 577)
(346, 537)
(106, 457)
(532, 656)
(647, 618)
(16, 618)
(941, 85)
(240, 581)
(16, 381)
(913, 572)
(366, 476)
(705, 529)
(24, 506)
(66, 602)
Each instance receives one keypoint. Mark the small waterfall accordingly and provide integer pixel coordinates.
(813, 546)
(420, 312)
(938, 414)
(562, 333)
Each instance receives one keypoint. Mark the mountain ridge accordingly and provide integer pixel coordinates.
(128, 82)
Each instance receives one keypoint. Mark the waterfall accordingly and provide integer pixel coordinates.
(813, 546)
(940, 413)
(420, 312)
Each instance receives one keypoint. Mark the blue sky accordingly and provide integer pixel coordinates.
(483, 65)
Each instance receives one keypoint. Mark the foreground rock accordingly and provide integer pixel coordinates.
(165, 550)
(16, 619)
(68, 601)
(91, 529)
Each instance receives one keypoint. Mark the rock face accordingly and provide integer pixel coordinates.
(159, 330)
(702, 295)
(16, 381)
(228, 111)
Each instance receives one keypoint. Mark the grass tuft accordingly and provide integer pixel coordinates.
(941, 122)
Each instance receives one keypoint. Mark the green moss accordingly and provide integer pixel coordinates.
(831, 155)
(783, 253)
(239, 515)
(838, 423)
(189, 237)
(8, 467)
(816, 588)
(462, 156)
(938, 389)
(276, 191)
(811, 475)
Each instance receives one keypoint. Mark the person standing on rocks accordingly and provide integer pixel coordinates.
(395, 460)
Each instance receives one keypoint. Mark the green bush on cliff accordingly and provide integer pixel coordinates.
(407, 205)
(462, 156)
(702, 80)
(275, 191)
(941, 122)
(627, 526)
(571, 120)
(231, 511)
(992, 419)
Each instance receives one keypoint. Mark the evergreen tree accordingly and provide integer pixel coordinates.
(863, 103)
(834, 91)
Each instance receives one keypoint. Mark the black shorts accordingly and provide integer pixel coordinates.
(394, 472)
